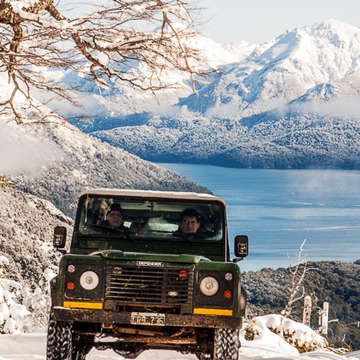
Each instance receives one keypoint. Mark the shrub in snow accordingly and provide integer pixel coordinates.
(14, 316)
(298, 335)
(21, 309)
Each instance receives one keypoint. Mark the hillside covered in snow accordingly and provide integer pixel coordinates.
(292, 102)
(56, 162)
(28, 260)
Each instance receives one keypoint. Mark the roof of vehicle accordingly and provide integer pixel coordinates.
(154, 194)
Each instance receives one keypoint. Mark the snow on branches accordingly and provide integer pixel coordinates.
(21, 308)
(109, 44)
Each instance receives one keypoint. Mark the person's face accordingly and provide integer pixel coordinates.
(189, 225)
(139, 225)
(115, 218)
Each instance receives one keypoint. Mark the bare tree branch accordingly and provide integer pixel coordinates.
(107, 45)
(296, 282)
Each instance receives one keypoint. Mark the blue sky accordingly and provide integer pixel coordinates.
(258, 21)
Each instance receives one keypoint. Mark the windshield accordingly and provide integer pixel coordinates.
(130, 217)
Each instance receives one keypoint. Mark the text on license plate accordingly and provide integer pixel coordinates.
(139, 318)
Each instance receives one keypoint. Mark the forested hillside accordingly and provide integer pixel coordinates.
(79, 162)
(334, 282)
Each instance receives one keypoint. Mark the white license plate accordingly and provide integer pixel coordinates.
(139, 318)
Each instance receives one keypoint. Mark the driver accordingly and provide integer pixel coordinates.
(190, 222)
(189, 225)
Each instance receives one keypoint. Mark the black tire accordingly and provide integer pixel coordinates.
(226, 344)
(59, 340)
(81, 347)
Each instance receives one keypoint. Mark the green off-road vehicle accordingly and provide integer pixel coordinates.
(147, 270)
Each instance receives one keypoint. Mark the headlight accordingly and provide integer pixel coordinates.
(209, 286)
(89, 280)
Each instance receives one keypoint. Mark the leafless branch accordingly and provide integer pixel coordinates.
(107, 45)
(296, 282)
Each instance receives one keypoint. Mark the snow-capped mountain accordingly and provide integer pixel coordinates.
(290, 102)
(119, 99)
(284, 69)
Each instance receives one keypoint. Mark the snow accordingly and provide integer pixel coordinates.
(307, 54)
(265, 346)
(292, 102)
(14, 317)
(3, 261)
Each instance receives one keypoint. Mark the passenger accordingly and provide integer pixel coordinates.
(139, 225)
(114, 219)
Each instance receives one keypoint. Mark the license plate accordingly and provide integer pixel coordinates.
(138, 318)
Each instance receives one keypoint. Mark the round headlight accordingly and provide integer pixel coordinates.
(209, 286)
(89, 280)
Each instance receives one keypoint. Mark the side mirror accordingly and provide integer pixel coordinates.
(59, 240)
(241, 246)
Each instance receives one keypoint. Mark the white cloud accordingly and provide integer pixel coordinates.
(22, 152)
(223, 111)
(315, 184)
(344, 107)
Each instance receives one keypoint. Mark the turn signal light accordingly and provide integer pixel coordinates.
(70, 285)
(227, 294)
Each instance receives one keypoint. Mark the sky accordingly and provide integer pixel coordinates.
(258, 21)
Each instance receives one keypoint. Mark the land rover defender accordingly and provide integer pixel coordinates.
(144, 282)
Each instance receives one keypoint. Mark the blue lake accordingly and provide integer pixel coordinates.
(279, 209)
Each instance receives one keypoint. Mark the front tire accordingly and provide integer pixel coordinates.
(59, 340)
(226, 344)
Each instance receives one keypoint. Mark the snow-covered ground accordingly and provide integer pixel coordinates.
(266, 345)
(32, 347)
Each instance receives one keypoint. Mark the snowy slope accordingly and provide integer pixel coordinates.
(27, 258)
(292, 102)
(75, 161)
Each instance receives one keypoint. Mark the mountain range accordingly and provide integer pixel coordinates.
(292, 102)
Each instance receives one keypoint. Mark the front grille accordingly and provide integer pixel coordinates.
(145, 285)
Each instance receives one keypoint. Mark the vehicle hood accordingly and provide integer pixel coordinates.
(136, 256)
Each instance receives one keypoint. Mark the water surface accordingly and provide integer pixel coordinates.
(279, 209)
